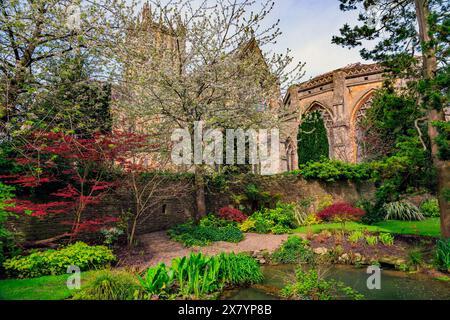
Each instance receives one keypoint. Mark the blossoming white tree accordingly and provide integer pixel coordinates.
(190, 61)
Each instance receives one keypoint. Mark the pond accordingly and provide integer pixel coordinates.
(395, 285)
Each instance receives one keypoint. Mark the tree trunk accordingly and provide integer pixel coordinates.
(132, 234)
(429, 72)
(199, 194)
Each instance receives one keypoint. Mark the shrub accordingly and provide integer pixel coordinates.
(332, 171)
(312, 219)
(54, 262)
(386, 238)
(7, 238)
(213, 221)
(209, 230)
(111, 286)
(372, 240)
(247, 225)
(430, 208)
(442, 254)
(111, 235)
(311, 286)
(355, 236)
(232, 214)
(254, 199)
(277, 221)
(294, 250)
(402, 210)
(373, 209)
(342, 213)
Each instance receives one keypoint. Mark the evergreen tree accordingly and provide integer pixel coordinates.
(312, 139)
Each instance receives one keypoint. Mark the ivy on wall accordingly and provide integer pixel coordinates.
(312, 139)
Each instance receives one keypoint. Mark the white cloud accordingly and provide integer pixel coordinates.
(308, 26)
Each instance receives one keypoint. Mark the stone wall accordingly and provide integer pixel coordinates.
(293, 189)
(178, 209)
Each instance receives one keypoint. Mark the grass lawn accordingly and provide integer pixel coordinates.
(43, 288)
(428, 227)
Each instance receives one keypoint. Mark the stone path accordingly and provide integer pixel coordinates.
(158, 247)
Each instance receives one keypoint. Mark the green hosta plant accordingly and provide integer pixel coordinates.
(355, 236)
(402, 210)
(387, 239)
(199, 276)
(372, 240)
(157, 279)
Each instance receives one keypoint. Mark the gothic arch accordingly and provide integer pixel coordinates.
(328, 119)
(327, 114)
(358, 114)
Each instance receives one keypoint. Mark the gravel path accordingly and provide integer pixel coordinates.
(158, 247)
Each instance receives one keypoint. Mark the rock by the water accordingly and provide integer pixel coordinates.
(320, 251)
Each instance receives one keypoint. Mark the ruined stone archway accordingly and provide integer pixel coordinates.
(366, 140)
(314, 134)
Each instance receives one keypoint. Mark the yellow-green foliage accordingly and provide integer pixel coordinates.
(372, 240)
(247, 225)
(54, 262)
(325, 202)
(387, 239)
(312, 219)
(355, 236)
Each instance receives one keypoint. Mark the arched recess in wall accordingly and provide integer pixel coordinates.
(290, 154)
(364, 137)
(313, 141)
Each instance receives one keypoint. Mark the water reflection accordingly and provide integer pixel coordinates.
(395, 285)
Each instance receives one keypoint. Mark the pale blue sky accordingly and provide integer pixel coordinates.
(307, 27)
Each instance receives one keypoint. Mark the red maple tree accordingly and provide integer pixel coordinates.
(82, 168)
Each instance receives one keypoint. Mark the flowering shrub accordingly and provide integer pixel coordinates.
(341, 211)
(232, 214)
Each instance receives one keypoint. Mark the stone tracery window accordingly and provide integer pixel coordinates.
(368, 142)
(326, 116)
(361, 130)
